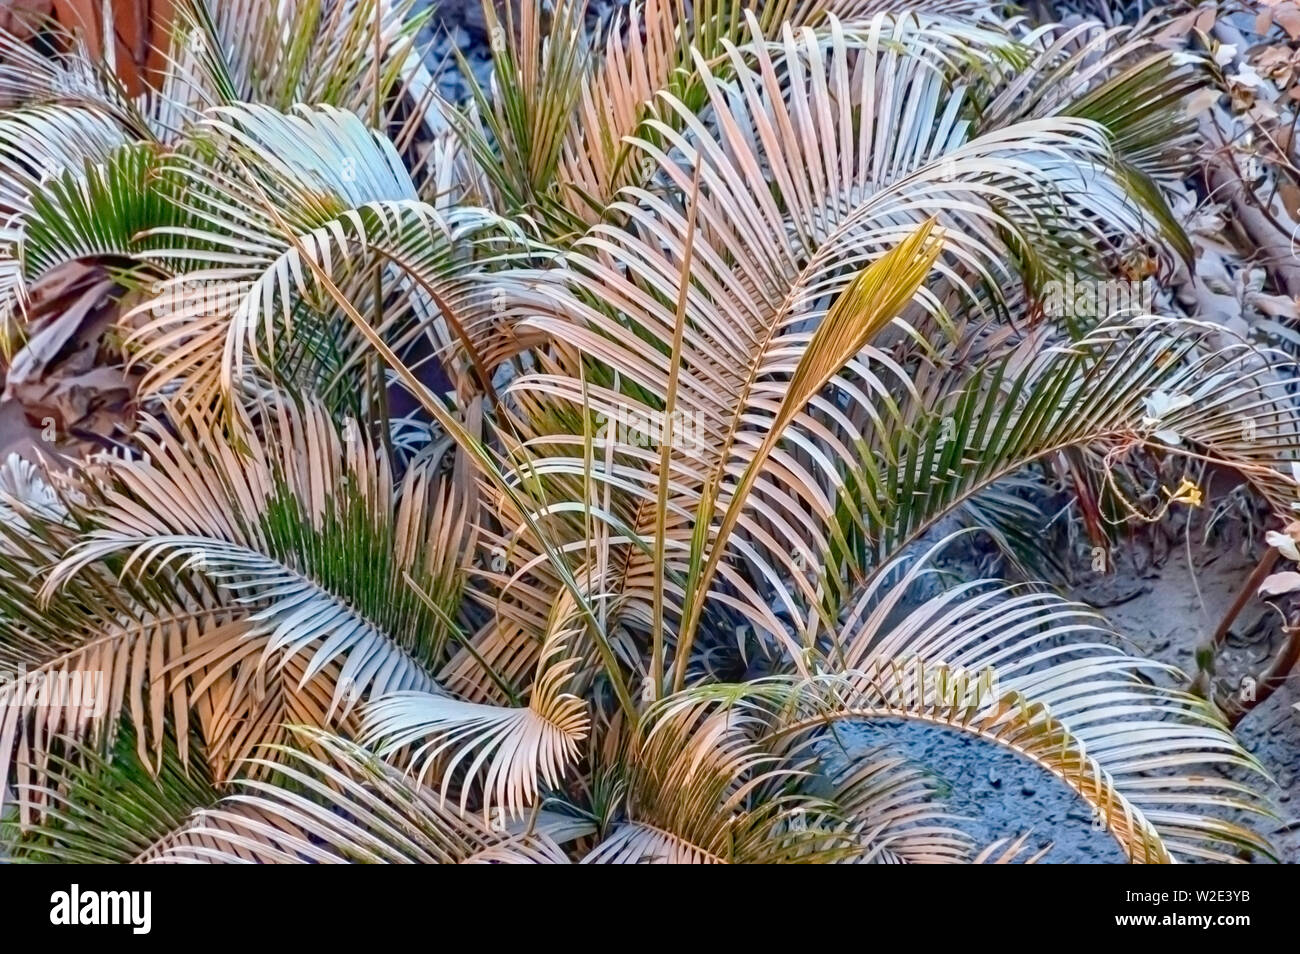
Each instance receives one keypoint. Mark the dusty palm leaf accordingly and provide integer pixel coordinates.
(347, 806)
(315, 184)
(109, 810)
(298, 527)
(517, 750)
(768, 262)
(966, 430)
(97, 651)
(700, 790)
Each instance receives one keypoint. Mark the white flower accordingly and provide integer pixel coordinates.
(1225, 54)
(1186, 58)
(1284, 544)
(1159, 405)
(1247, 77)
(1278, 583)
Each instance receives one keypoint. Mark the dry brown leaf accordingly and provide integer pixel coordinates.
(1289, 18)
(23, 18)
(64, 376)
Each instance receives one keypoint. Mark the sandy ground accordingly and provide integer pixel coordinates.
(1166, 619)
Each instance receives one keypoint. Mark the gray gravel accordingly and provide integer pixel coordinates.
(999, 794)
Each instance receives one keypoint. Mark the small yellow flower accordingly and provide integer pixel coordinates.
(1187, 493)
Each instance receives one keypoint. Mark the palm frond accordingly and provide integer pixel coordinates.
(541, 478)
(700, 790)
(353, 808)
(109, 810)
(518, 750)
(788, 215)
(968, 430)
(1024, 668)
(895, 813)
(298, 529)
(95, 653)
(349, 203)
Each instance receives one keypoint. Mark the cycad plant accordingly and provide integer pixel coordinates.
(548, 477)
